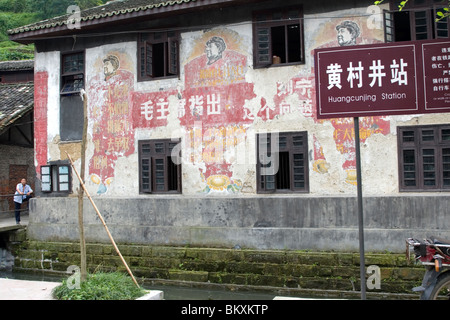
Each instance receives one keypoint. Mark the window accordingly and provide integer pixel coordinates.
(417, 21)
(278, 37)
(424, 158)
(286, 169)
(72, 74)
(158, 55)
(56, 178)
(71, 105)
(158, 173)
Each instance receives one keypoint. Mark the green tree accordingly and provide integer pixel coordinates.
(439, 14)
(86, 4)
(16, 13)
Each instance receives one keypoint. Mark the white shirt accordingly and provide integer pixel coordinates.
(25, 189)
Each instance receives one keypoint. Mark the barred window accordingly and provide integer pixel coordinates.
(158, 55)
(56, 178)
(424, 158)
(278, 37)
(417, 21)
(158, 172)
(282, 162)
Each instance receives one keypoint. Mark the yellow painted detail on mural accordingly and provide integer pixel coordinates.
(218, 182)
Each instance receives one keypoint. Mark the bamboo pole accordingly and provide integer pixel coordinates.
(83, 269)
(103, 222)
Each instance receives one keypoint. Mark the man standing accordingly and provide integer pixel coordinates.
(23, 193)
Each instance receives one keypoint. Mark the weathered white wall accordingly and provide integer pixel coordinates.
(329, 142)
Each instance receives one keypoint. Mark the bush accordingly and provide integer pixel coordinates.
(101, 286)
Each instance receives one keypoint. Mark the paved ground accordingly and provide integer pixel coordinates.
(11, 289)
(9, 223)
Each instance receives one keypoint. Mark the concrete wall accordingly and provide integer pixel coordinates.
(123, 111)
(323, 223)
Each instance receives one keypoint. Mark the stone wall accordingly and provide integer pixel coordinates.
(286, 272)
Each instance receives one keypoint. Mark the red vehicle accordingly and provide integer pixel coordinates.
(434, 254)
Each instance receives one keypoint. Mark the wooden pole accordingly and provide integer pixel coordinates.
(83, 269)
(103, 222)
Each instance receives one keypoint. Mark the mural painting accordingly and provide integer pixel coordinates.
(211, 109)
(111, 116)
(214, 107)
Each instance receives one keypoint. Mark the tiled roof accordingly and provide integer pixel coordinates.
(16, 99)
(112, 8)
(16, 65)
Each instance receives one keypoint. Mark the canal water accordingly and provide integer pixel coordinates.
(171, 292)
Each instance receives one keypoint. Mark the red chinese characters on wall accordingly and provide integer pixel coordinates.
(216, 89)
(40, 118)
(151, 110)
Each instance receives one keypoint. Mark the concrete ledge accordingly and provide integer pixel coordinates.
(153, 295)
(11, 289)
(264, 222)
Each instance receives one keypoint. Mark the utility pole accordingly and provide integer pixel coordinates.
(83, 268)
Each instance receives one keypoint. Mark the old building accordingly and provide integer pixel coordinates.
(203, 128)
(16, 129)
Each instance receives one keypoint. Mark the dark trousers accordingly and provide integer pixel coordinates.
(17, 207)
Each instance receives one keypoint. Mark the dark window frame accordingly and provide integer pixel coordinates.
(152, 155)
(54, 178)
(428, 28)
(424, 157)
(264, 23)
(74, 75)
(293, 163)
(72, 81)
(149, 43)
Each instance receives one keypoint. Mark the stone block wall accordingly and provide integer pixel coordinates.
(287, 272)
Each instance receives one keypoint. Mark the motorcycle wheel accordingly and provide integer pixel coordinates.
(441, 290)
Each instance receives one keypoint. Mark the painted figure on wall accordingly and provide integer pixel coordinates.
(112, 133)
(214, 49)
(213, 105)
(347, 33)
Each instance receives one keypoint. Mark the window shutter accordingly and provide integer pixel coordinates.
(445, 168)
(428, 158)
(46, 179)
(63, 178)
(173, 56)
(145, 167)
(160, 174)
(267, 183)
(263, 47)
(149, 59)
(389, 31)
(421, 28)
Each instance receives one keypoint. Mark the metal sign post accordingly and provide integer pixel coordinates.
(362, 264)
(378, 80)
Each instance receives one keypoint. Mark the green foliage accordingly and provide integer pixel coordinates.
(101, 286)
(439, 14)
(17, 13)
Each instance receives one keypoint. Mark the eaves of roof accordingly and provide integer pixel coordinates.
(113, 11)
(16, 100)
(17, 65)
